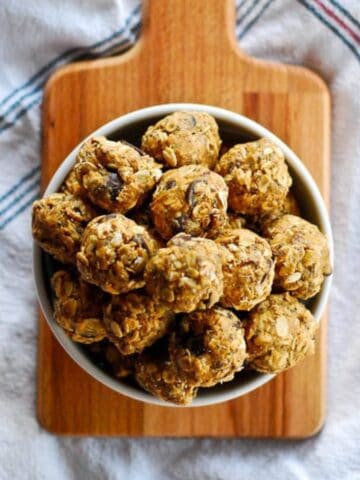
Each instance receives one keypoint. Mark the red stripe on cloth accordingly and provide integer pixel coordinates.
(338, 20)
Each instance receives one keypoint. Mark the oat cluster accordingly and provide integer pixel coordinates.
(180, 263)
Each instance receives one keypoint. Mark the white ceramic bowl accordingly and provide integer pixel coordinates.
(239, 129)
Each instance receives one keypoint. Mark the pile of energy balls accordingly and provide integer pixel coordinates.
(184, 261)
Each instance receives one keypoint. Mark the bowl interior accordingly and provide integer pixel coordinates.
(233, 129)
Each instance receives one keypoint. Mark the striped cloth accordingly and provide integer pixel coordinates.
(37, 38)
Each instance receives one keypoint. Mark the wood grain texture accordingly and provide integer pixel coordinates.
(187, 53)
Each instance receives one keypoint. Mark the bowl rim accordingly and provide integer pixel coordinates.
(143, 114)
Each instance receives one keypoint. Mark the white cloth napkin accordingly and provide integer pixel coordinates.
(36, 38)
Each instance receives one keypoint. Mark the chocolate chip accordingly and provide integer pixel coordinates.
(170, 184)
(196, 345)
(114, 185)
(139, 240)
(179, 223)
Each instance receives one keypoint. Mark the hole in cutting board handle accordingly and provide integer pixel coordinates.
(189, 23)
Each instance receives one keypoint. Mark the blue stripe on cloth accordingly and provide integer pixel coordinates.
(32, 186)
(247, 13)
(255, 19)
(345, 12)
(67, 53)
(25, 178)
(83, 56)
(18, 211)
(38, 89)
(337, 32)
(18, 102)
(21, 113)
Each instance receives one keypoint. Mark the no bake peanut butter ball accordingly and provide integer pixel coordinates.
(114, 252)
(186, 275)
(183, 138)
(248, 268)
(208, 347)
(257, 176)
(279, 333)
(301, 254)
(58, 222)
(190, 199)
(115, 175)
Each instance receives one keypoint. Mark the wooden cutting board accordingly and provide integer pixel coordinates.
(187, 53)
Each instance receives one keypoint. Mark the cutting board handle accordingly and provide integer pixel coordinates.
(190, 22)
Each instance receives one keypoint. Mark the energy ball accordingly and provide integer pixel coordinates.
(257, 176)
(121, 366)
(78, 307)
(301, 255)
(190, 199)
(116, 176)
(134, 322)
(58, 222)
(159, 376)
(248, 269)
(279, 333)
(208, 347)
(186, 275)
(183, 138)
(114, 252)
